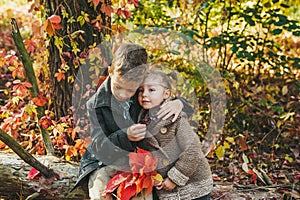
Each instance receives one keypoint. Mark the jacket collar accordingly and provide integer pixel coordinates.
(104, 96)
(152, 113)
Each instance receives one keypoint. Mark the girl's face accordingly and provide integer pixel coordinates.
(152, 93)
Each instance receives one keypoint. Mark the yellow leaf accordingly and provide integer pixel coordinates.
(220, 151)
(230, 140)
(284, 90)
(226, 145)
(158, 177)
(68, 158)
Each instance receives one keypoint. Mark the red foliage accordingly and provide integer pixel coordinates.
(40, 100)
(33, 173)
(140, 178)
(52, 24)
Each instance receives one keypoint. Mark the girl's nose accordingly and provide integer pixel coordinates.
(145, 93)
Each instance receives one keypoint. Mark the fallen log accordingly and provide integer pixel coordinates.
(15, 184)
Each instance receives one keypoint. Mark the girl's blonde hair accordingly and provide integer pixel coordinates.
(163, 78)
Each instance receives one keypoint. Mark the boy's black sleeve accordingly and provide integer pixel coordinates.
(187, 108)
(109, 142)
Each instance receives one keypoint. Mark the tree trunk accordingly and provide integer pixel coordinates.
(15, 185)
(82, 36)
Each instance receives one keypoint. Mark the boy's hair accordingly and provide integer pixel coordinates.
(130, 60)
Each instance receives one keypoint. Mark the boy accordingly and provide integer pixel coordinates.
(113, 111)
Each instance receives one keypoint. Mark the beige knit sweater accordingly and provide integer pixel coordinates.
(180, 158)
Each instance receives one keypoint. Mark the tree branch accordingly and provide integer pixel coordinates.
(27, 157)
(32, 79)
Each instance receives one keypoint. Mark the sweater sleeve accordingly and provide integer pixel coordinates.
(190, 156)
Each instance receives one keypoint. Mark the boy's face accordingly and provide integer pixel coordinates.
(122, 88)
(152, 93)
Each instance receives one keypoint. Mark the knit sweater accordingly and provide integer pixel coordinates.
(180, 158)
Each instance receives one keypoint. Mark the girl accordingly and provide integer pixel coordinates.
(185, 169)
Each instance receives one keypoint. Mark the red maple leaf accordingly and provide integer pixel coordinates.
(33, 173)
(140, 178)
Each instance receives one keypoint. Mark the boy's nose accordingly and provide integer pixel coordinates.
(124, 94)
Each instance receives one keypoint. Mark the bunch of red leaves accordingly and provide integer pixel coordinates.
(139, 180)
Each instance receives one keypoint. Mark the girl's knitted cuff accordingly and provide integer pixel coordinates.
(177, 177)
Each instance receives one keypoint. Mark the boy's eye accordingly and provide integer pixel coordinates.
(118, 87)
(130, 91)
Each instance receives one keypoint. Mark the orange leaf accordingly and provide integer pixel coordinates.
(96, 2)
(27, 84)
(45, 122)
(148, 184)
(52, 24)
(60, 75)
(2, 144)
(107, 9)
(56, 26)
(55, 19)
(30, 45)
(49, 27)
(17, 71)
(71, 151)
(40, 100)
(33, 173)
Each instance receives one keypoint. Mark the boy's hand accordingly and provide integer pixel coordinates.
(136, 132)
(170, 108)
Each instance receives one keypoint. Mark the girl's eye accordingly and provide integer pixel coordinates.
(152, 90)
(141, 90)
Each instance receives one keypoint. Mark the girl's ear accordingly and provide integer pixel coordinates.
(167, 93)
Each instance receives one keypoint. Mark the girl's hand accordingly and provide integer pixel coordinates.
(170, 108)
(168, 184)
(136, 132)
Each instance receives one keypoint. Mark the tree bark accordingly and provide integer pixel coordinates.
(72, 33)
(15, 184)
